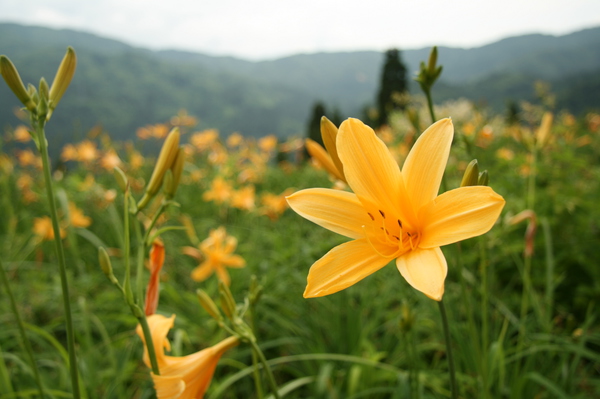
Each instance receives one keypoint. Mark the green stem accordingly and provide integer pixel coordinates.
(21, 326)
(483, 266)
(453, 386)
(256, 373)
(139, 282)
(430, 105)
(43, 147)
(148, 338)
(263, 360)
(162, 208)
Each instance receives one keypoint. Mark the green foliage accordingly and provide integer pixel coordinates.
(392, 85)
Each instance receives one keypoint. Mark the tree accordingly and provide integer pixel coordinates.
(314, 123)
(393, 86)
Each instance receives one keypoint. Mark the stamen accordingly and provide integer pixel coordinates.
(394, 255)
(372, 218)
(399, 223)
(382, 214)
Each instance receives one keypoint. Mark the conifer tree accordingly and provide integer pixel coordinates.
(314, 123)
(393, 85)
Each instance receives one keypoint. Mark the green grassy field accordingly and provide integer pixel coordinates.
(521, 299)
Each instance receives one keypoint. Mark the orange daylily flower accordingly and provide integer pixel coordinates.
(42, 227)
(185, 377)
(220, 191)
(217, 252)
(392, 213)
(243, 198)
(77, 217)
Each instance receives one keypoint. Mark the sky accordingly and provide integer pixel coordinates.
(268, 29)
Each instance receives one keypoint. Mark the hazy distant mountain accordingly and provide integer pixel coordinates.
(124, 87)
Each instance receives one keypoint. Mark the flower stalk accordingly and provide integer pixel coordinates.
(453, 386)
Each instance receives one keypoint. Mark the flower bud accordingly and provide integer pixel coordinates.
(164, 162)
(329, 135)
(209, 305)
(13, 81)
(44, 90)
(63, 77)
(484, 179)
(121, 179)
(227, 301)
(176, 171)
(471, 175)
(106, 265)
(542, 134)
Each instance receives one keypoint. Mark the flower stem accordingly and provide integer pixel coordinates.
(60, 253)
(149, 344)
(263, 360)
(430, 105)
(453, 386)
(21, 326)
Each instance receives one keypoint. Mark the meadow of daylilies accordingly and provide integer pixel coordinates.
(180, 271)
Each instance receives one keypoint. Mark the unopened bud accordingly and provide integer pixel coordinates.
(13, 81)
(432, 60)
(484, 179)
(106, 265)
(542, 134)
(471, 175)
(165, 159)
(44, 90)
(209, 305)
(227, 302)
(175, 173)
(63, 77)
(121, 179)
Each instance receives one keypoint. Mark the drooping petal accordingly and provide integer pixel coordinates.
(459, 214)
(425, 270)
(201, 273)
(426, 162)
(168, 387)
(343, 266)
(370, 169)
(338, 211)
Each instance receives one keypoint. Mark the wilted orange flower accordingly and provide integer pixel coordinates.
(393, 214)
(22, 134)
(77, 218)
(243, 198)
(157, 259)
(220, 191)
(217, 252)
(267, 143)
(42, 227)
(204, 139)
(185, 377)
(110, 160)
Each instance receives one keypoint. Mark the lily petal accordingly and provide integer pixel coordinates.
(459, 214)
(338, 211)
(343, 266)
(425, 164)
(370, 169)
(425, 270)
(319, 154)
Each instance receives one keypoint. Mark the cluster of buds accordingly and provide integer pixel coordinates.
(41, 102)
(429, 73)
(472, 176)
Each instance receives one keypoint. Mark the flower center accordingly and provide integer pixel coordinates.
(385, 230)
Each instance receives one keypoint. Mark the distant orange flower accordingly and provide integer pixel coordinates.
(185, 377)
(235, 139)
(204, 139)
(267, 143)
(86, 151)
(158, 131)
(22, 134)
(28, 158)
(110, 160)
(42, 227)
(69, 153)
(220, 191)
(77, 218)
(217, 252)
(243, 198)
(275, 204)
(183, 119)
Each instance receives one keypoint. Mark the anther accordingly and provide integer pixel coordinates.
(369, 213)
(399, 223)
(382, 214)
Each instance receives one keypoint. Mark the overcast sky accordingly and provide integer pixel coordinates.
(265, 29)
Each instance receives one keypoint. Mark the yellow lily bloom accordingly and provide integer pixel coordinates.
(392, 213)
(185, 377)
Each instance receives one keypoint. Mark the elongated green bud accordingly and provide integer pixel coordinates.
(106, 265)
(484, 179)
(227, 302)
(176, 171)
(63, 77)
(13, 81)
(121, 179)
(43, 89)
(471, 174)
(209, 305)
(164, 162)
(432, 60)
